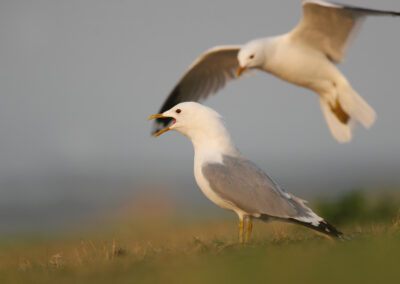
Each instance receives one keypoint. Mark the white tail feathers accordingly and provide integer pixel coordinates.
(356, 107)
(340, 131)
(342, 114)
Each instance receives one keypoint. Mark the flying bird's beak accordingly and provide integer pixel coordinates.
(160, 116)
(240, 71)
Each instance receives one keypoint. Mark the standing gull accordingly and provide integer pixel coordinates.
(233, 182)
(305, 56)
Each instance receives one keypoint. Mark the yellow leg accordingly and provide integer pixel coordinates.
(248, 229)
(241, 230)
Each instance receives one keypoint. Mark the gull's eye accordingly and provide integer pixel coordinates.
(251, 56)
(178, 110)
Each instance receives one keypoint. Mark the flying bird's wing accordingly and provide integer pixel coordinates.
(242, 183)
(330, 27)
(208, 73)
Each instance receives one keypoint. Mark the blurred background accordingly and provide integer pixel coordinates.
(79, 78)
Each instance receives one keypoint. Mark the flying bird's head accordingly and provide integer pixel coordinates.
(251, 55)
(190, 119)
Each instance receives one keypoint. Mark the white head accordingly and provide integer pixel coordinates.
(251, 55)
(199, 123)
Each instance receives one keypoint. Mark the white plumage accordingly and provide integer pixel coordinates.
(231, 181)
(306, 56)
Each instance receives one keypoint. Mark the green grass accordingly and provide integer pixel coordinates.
(173, 250)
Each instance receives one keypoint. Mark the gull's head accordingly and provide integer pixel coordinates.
(191, 119)
(251, 55)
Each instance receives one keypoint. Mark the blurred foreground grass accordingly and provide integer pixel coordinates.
(170, 248)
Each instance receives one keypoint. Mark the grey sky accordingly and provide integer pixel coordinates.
(79, 78)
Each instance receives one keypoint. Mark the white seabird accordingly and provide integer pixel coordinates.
(230, 180)
(305, 56)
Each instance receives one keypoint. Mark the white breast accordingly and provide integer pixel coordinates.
(204, 185)
(300, 64)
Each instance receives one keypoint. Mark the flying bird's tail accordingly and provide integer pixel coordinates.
(355, 105)
(322, 227)
(348, 108)
(339, 123)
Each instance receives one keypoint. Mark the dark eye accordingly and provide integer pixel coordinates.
(251, 56)
(178, 110)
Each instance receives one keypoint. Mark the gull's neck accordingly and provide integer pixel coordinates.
(212, 143)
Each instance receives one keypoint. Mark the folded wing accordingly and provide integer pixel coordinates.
(242, 183)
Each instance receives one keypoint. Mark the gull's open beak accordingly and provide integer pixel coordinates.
(160, 116)
(240, 71)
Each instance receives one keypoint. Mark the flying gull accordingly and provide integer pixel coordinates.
(305, 56)
(233, 182)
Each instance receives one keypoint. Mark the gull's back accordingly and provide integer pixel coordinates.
(249, 188)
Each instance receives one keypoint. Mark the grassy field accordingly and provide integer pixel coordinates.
(172, 249)
(166, 246)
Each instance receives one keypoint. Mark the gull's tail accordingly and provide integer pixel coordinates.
(339, 128)
(348, 108)
(322, 227)
(306, 217)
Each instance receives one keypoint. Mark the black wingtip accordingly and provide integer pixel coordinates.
(322, 227)
(367, 10)
(160, 123)
(173, 99)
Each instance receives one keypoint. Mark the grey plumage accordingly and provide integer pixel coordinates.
(241, 182)
(233, 182)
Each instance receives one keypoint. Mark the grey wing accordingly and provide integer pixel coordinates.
(330, 27)
(208, 73)
(242, 183)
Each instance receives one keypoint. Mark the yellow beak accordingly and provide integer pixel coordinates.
(159, 116)
(240, 71)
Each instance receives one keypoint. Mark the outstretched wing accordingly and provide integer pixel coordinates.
(242, 183)
(330, 27)
(208, 73)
